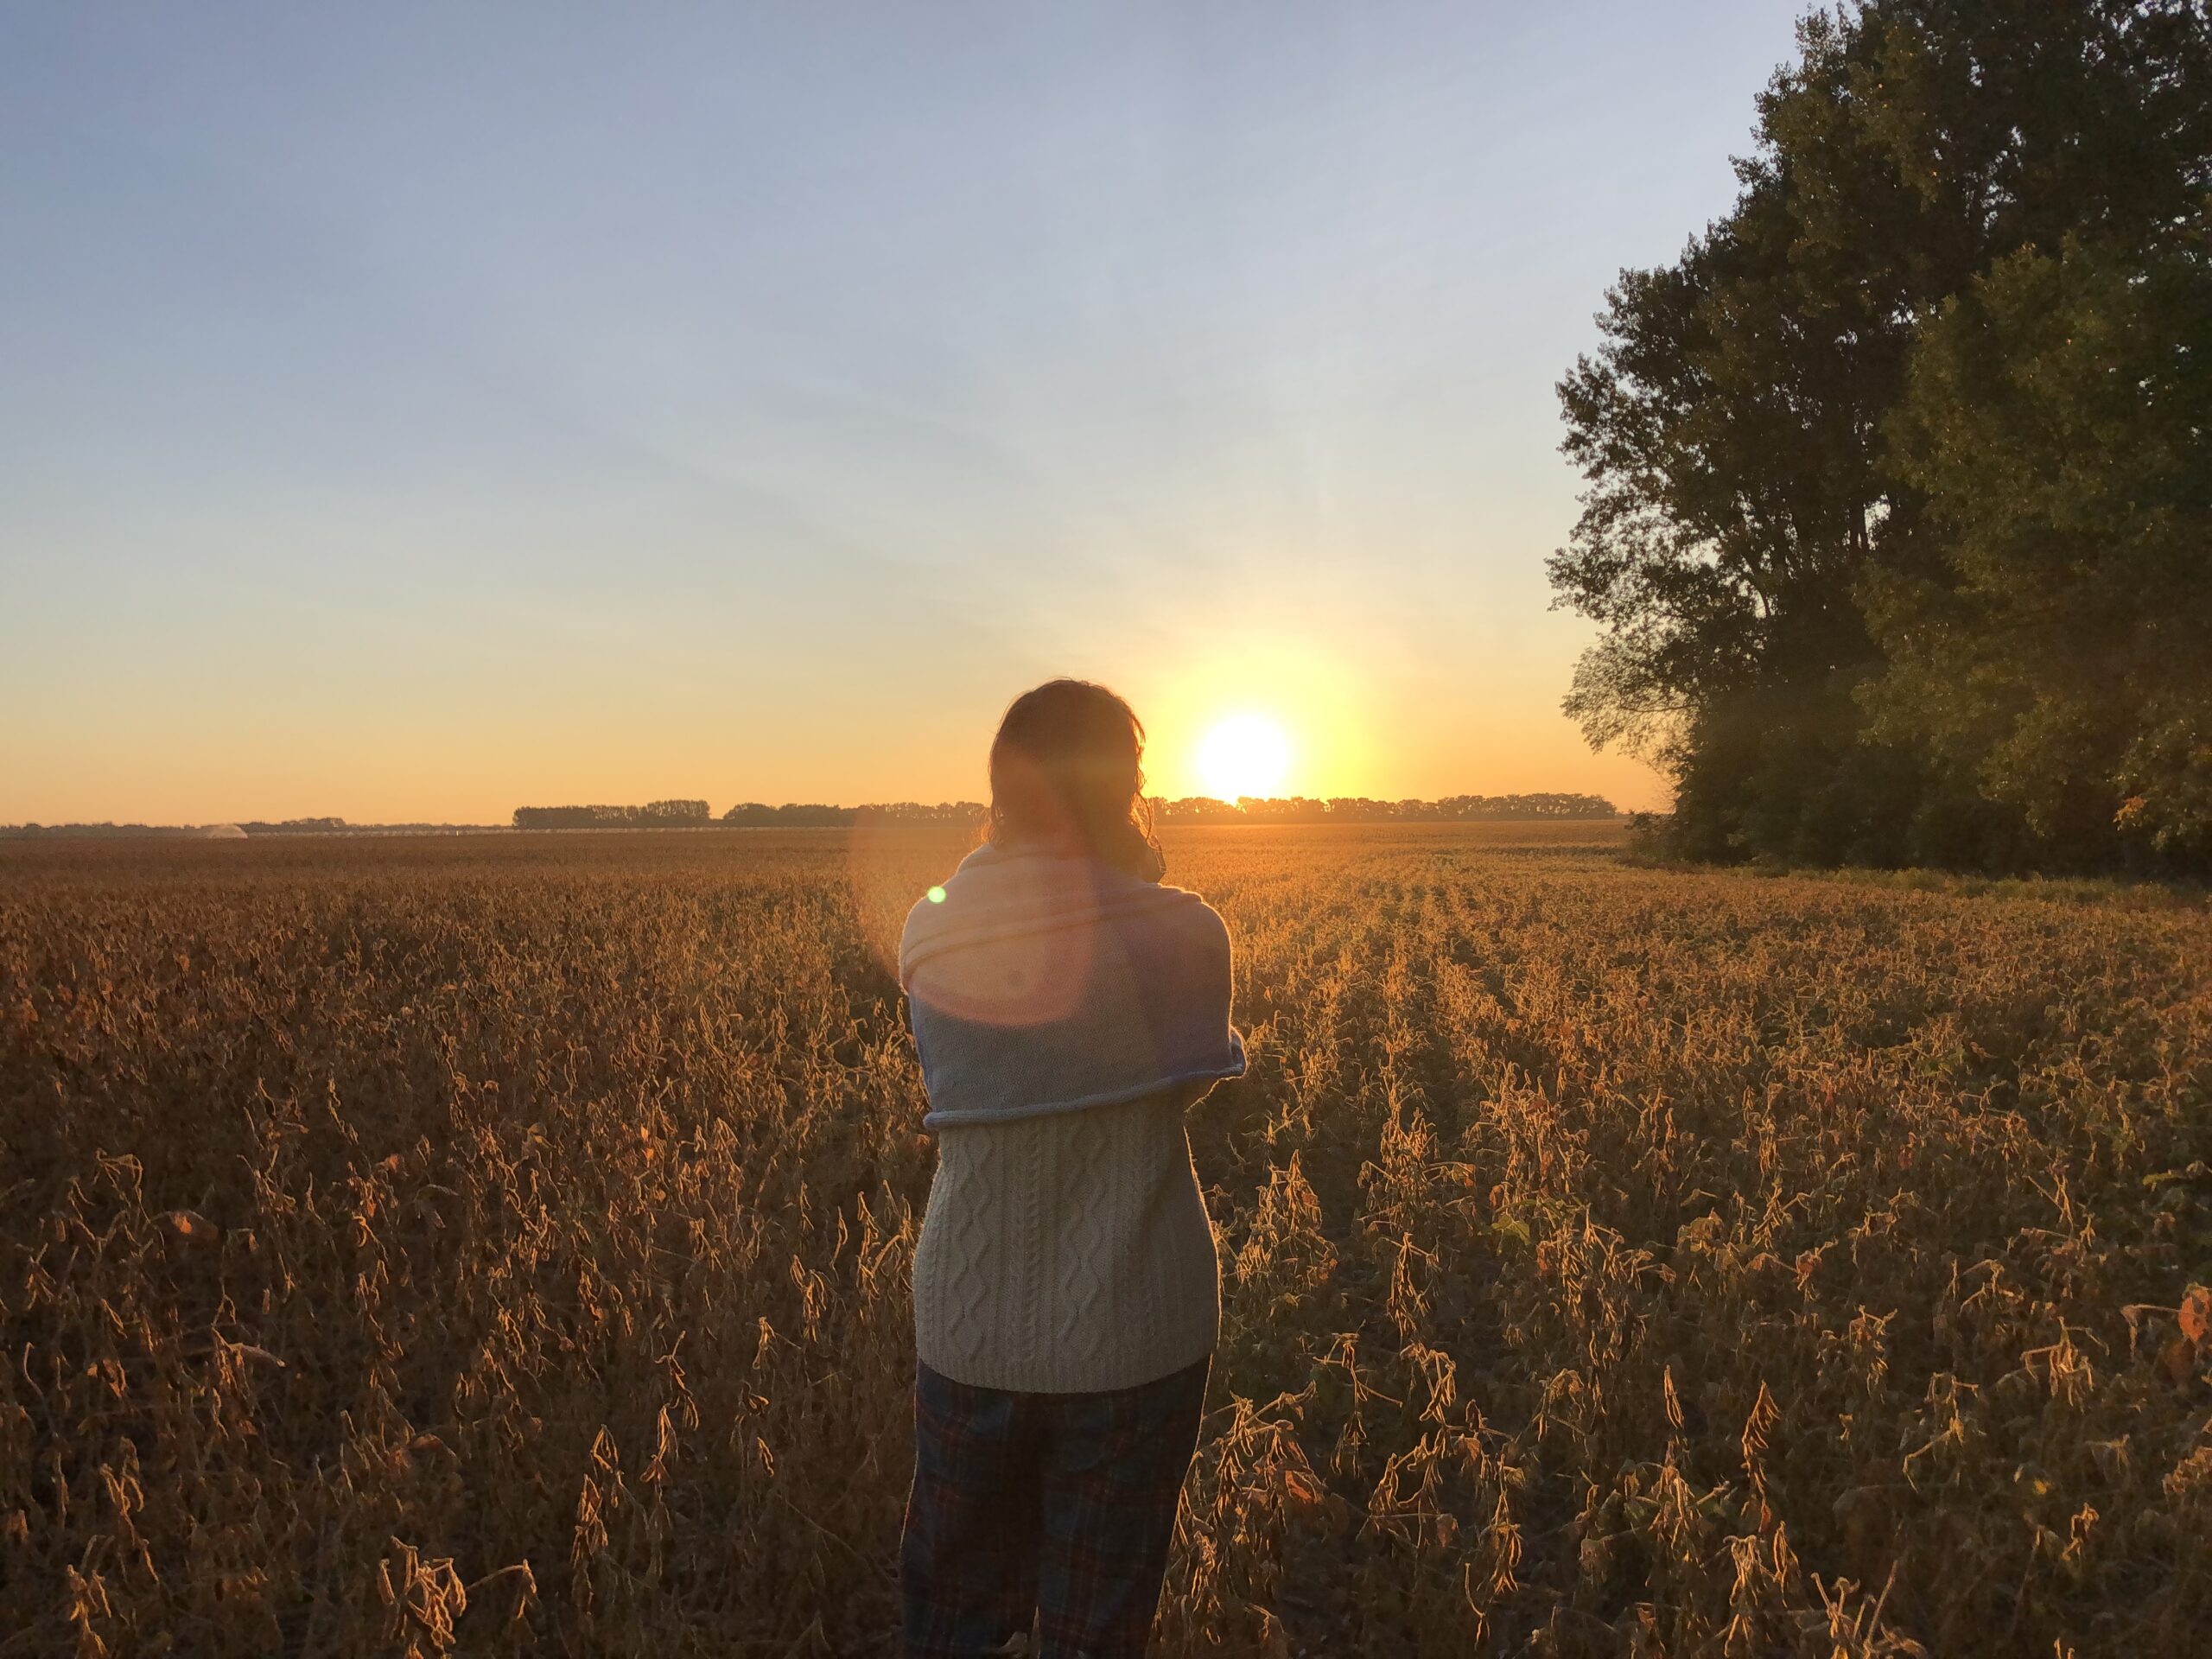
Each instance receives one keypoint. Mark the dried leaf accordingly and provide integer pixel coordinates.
(190, 1224)
(2196, 1313)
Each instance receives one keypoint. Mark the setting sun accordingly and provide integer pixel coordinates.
(1245, 754)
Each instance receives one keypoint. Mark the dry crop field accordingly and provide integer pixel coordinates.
(500, 1245)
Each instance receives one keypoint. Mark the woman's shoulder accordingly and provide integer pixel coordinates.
(952, 905)
(1202, 917)
(998, 893)
(1191, 901)
(1181, 924)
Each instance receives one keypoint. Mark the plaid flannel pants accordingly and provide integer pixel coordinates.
(1055, 1508)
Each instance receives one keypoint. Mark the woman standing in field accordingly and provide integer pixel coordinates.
(1067, 1008)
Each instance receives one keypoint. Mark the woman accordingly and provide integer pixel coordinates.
(1066, 1008)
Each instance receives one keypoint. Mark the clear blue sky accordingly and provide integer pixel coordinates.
(412, 411)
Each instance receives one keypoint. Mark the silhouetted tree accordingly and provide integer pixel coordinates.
(1762, 521)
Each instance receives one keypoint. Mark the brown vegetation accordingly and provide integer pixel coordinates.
(493, 1246)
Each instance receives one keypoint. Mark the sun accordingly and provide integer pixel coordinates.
(1244, 754)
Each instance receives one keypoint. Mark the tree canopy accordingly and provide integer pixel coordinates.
(1895, 524)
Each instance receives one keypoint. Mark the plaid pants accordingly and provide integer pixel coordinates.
(1055, 1507)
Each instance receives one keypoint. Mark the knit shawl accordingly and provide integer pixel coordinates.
(1040, 983)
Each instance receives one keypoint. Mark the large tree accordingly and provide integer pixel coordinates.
(1739, 429)
(2059, 418)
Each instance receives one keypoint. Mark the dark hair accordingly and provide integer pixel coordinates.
(1066, 767)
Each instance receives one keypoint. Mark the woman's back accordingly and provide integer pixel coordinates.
(1065, 1013)
(1067, 1252)
(1066, 1008)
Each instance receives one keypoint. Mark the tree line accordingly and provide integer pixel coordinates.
(1199, 809)
(1357, 809)
(1898, 516)
(248, 827)
(754, 814)
(654, 814)
(696, 815)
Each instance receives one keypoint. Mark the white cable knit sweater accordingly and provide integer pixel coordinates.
(1066, 1015)
(1067, 1252)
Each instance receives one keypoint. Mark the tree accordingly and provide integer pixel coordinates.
(2059, 419)
(1746, 491)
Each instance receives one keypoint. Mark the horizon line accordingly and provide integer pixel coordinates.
(694, 813)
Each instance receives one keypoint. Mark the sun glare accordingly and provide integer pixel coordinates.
(1245, 754)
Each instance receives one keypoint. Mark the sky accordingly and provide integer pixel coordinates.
(412, 411)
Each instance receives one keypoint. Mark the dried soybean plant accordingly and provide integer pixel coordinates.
(501, 1246)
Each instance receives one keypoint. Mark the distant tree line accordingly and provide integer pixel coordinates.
(756, 814)
(340, 827)
(93, 831)
(746, 815)
(654, 814)
(1899, 524)
(249, 827)
(753, 815)
(1357, 809)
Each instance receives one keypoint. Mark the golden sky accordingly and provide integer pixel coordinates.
(416, 411)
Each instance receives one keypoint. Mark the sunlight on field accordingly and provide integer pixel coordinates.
(500, 1245)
